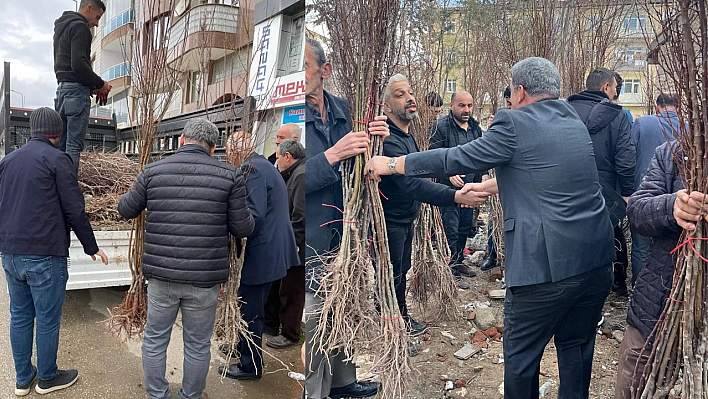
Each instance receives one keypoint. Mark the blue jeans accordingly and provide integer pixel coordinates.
(73, 103)
(198, 307)
(37, 286)
(640, 251)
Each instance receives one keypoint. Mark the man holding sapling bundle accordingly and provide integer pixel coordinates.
(403, 194)
(557, 233)
(329, 141)
(195, 202)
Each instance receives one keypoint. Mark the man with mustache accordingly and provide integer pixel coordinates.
(403, 194)
(457, 128)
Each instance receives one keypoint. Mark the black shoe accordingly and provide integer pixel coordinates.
(488, 263)
(233, 371)
(63, 379)
(462, 270)
(620, 290)
(22, 390)
(280, 342)
(355, 390)
(415, 327)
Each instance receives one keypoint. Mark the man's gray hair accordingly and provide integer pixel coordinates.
(293, 147)
(202, 131)
(539, 77)
(393, 79)
(318, 50)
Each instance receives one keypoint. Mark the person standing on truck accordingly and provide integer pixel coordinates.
(195, 202)
(77, 80)
(40, 200)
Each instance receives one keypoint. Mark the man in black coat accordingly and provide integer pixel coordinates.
(194, 202)
(661, 208)
(557, 234)
(615, 156)
(290, 294)
(270, 251)
(457, 128)
(286, 132)
(76, 79)
(403, 194)
(40, 200)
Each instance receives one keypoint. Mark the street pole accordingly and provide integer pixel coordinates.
(23, 96)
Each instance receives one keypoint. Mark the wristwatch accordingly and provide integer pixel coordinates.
(392, 165)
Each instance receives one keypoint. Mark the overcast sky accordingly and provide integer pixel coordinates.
(26, 29)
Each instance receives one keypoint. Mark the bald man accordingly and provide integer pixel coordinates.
(457, 128)
(287, 131)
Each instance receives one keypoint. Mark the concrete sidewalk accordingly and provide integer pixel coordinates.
(110, 368)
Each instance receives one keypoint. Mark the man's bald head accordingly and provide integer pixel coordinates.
(288, 131)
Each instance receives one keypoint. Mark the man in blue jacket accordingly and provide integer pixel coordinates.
(330, 140)
(193, 203)
(557, 235)
(648, 133)
(40, 200)
(270, 251)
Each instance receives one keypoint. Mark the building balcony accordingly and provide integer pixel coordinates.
(210, 30)
(117, 76)
(117, 27)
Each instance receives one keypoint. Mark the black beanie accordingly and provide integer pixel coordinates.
(45, 122)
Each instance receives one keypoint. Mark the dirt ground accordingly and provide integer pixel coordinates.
(481, 376)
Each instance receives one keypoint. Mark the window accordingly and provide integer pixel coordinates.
(226, 2)
(450, 86)
(634, 22)
(195, 86)
(592, 21)
(157, 33)
(295, 59)
(450, 56)
(450, 27)
(230, 66)
(631, 86)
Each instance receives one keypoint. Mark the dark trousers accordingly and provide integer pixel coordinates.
(621, 262)
(568, 311)
(400, 245)
(286, 301)
(491, 248)
(457, 222)
(254, 297)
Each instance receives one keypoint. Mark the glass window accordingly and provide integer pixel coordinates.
(451, 86)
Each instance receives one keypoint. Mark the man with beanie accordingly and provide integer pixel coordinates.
(40, 200)
(77, 81)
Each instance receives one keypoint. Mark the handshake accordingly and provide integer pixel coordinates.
(474, 194)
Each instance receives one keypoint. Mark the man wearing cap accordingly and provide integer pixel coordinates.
(40, 200)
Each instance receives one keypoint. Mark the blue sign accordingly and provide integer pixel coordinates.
(294, 114)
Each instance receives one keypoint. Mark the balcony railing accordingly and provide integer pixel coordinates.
(119, 20)
(208, 18)
(116, 71)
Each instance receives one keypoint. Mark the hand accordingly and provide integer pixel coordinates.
(689, 208)
(485, 178)
(379, 127)
(471, 199)
(102, 255)
(489, 186)
(457, 180)
(377, 167)
(353, 143)
(105, 89)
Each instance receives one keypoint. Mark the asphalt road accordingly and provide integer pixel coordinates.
(110, 368)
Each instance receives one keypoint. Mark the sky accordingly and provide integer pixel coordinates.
(26, 30)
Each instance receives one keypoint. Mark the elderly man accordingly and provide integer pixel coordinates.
(457, 128)
(404, 194)
(195, 202)
(329, 141)
(557, 232)
(270, 251)
(291, 292)
(40, 200)
(615, 159)
(286, 132)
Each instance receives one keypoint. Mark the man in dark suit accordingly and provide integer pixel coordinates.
(262, 264)
(286, 132)
(558, 234)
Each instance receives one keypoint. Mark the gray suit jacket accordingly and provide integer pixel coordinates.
(555, 222)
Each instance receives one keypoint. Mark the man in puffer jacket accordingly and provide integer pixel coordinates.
(661, 208)
(194, 202)
(615, 156)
